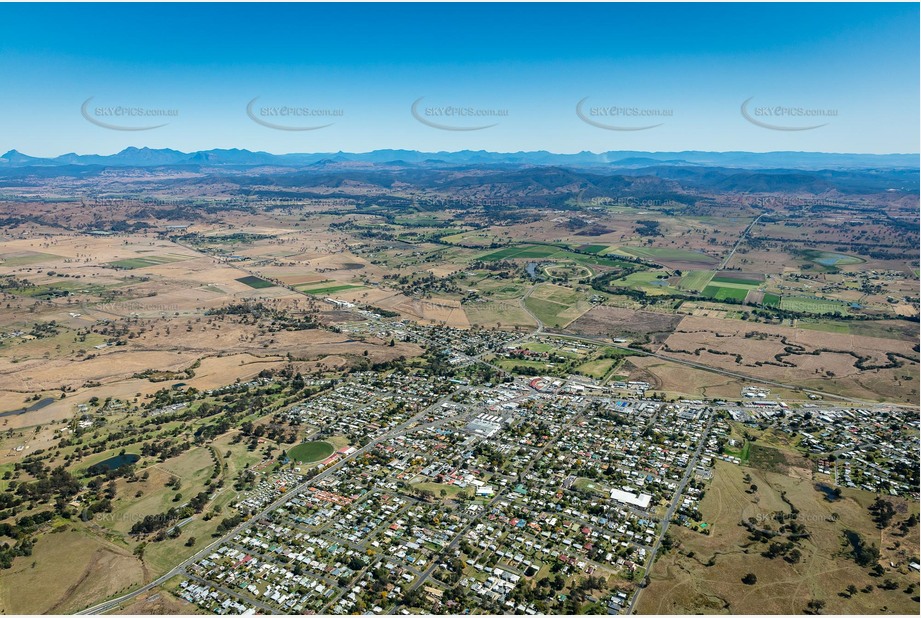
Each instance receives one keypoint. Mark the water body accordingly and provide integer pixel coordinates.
(834, 259)
(531, 269)
(38, 405)
(114, 463)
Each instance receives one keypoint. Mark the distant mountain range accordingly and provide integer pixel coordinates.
(625, 159)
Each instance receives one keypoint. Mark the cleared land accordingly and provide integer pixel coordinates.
(557, 306)
(865, 367)
(615, 322)
(703, 572)
(255, 282)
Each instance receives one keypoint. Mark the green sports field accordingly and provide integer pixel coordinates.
(310, 452)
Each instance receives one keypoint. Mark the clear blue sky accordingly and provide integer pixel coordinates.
(536, 61)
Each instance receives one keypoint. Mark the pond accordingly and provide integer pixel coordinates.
(35, 406)
(113, 463)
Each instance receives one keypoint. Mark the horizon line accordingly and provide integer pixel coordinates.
(582, 152)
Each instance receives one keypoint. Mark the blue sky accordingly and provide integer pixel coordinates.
(852, 67)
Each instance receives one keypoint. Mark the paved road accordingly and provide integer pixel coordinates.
(679, 492)
(739, 242)
(180, 568)
(521, 301)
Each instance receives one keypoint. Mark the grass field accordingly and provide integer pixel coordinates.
(665, 253)
(811, 304)
(587, 484)
(327, 289)
(886, 329)
(724, 278)
(257, 283)
(144, 262)
(724, 292)
(592, 248)
(567, 271)
(702, 573)
(597, 368)
(310, 452)
(521, 251)
(508, 314)
(192, 468)
(770, 300)
(77, 569)
(537, 346)
(538, 252)
(451, 491)
(497, 289)
(555, 305)
(516, 365)
(25, 258)
(646, 280)
(695, 280)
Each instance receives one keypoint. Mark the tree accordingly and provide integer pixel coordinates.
(750, 579)
(815, 606)
(190, 542)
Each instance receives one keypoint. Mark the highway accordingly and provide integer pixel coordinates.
(748, 229)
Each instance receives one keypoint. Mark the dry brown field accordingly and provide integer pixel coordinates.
(615, 323)
(807, 358)
(702, 574)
